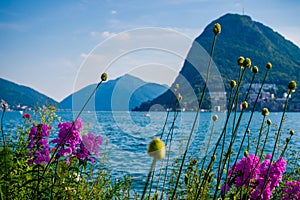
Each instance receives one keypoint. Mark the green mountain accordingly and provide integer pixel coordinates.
(21, 97)
(123, 93)
(240, 36)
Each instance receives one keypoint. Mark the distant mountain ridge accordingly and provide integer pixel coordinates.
(240, 36)
(123, 93)
(20, 97)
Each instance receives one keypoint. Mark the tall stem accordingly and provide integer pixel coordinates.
(148, 179)
(265, 141)
(170, 134)
(69, 130)
(276, 140)
(196, 117)
(249, 122)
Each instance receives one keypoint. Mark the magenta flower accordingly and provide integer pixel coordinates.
(250, 172)
(263, 188)
(38, 144)
(82, 153)
(292, 190)
(242, 173)
(92, 143)
(68, 137)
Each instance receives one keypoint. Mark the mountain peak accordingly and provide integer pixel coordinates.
(240, 36)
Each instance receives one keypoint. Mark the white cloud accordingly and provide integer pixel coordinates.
(107, 34)
(104, 34)
(113, 12)
(84, 55)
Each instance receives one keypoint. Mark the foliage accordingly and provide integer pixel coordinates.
(30, 171)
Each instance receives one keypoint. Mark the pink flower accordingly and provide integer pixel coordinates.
(68, 137)
(242, 173)
(292, 190)
(263, 187)
(92, 143)
(38, 144)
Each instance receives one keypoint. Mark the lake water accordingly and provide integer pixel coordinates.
(126, 135)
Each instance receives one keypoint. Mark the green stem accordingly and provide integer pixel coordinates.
(285, 147)
(196, 117)
(225, 130)
(276, 140)
(249, 122)
(69, 130)
(218, 141)
(259, 136)
(265, 141)
(168, 156)
(151, 182)
(227, 155)
(168, 112)
(148, 179)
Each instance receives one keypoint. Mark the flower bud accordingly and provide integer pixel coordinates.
(265, 112)
(247, 63)
(214, 157)
(244, 105)
(104, 77)
(292, 132)
(176, 86)
(292, 85)
(217, 29)
(179, 97)
(232, 83)
(156, 149)
(269, 122)
(269, 66)
(287, 140)
(246, 153)
(248, 131)
(215, 117)
(254, 70)
(240, 61)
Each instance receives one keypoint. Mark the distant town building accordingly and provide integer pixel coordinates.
(268, 92)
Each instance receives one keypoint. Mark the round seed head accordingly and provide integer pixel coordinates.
(269, 122)
(254, 70)
(232, 83)
(247, 63)
(179, 97)
(269, 66)
(244, 105)
(156, 149)
(104, 77)
(217, 29)
(240, 61)
(287, 140)
(215, 117)
(292, 85)
(176, 86)
(214, 157)
(265, 112)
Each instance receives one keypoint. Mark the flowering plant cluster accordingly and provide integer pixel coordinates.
(38, 144)
(261, 178)
(68, 137)
(292, 190)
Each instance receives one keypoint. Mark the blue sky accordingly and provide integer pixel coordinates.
(44, 43)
